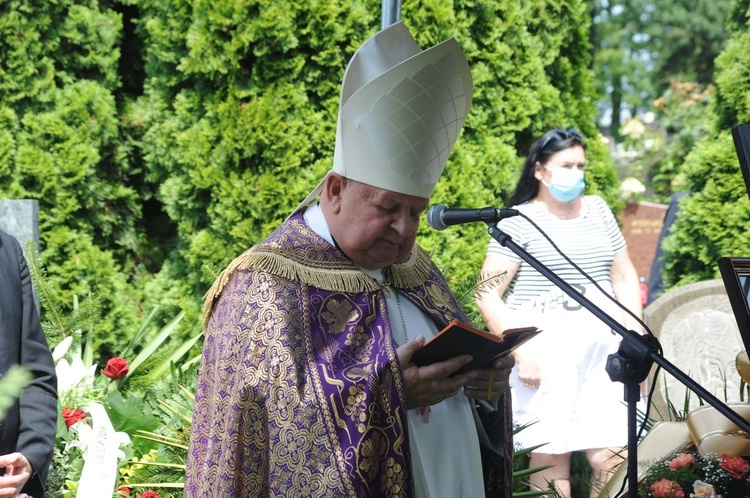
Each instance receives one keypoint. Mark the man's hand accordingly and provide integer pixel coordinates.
(18, 470)
(490, 383)
(431, 384)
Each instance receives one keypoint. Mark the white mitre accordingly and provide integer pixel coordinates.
(401, 112)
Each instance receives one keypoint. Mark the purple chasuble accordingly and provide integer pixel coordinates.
(299, 390)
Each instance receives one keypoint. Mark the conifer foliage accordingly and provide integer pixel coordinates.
(713, 220)
(160, 137)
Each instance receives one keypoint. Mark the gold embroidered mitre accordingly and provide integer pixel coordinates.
(401, 112)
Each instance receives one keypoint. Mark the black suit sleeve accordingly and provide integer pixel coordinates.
(37, 421)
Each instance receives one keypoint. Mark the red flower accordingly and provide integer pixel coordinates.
(680, 461)
(148, 494)
(72, 415)
(123, 491)
(735, 465)
(116, 368)
(667, 489)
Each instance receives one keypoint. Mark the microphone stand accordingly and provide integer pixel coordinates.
(632, 362)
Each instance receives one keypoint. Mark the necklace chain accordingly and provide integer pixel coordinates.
(567, 212)
(564, 214)
(388, 290)
(405, 336)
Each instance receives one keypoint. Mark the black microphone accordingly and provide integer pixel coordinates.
(441, 216)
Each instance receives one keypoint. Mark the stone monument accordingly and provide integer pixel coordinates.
(698, 332)
(641, 225)
(20, 218)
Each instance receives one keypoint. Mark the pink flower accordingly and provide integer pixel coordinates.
(116, 368)
(667, 489)
(72, 416)
(148, 494)
(680, 461)
(735, 465)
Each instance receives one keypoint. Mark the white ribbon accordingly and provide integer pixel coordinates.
(99, 474)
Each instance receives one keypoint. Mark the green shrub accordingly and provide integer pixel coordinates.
(160, 137)
(713, 221)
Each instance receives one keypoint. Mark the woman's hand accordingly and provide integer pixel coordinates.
(528, 372)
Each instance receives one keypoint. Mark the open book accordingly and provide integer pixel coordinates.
(461, 338)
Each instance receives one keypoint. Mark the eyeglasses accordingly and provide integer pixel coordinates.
(561, 135)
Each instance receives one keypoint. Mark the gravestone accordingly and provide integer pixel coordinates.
(698, 332)
(20, 218)
(641, 225)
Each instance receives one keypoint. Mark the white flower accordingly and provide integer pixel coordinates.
(122, 440)
(84, 434)
(74, 375)
(631, 187)
(102, 434)
(633, 128)
(703, 490)
(62, 349)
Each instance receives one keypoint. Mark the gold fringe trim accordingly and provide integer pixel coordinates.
(413, 272)
(335, 276)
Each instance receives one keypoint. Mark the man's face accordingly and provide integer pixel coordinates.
(374, 227)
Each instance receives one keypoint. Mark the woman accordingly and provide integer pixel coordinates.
(560, 384)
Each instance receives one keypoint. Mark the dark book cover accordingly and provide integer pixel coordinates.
(461, 338)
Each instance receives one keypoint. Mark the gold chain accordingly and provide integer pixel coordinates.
(388, 290)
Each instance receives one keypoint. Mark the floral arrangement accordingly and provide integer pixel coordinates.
(116, 429)
(123, 423)
(689, 475)
(86, 423)
(631, 189)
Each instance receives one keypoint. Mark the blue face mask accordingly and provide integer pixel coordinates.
(566, 184)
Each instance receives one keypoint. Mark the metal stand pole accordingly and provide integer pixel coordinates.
(391, 12)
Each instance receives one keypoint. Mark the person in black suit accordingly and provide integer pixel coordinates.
(27, 434)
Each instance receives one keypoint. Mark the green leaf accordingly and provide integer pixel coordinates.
(159, 370)
(11, 385)
(154, 344)
(128, 414)
(529, 471)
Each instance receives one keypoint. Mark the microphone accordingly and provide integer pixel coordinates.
(441, 216)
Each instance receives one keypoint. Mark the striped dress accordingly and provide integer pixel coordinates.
(576, 406)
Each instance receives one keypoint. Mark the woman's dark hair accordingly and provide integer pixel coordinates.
(545, 146)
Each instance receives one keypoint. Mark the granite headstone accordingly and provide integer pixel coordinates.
(641, 225)
(699, 334)
(20, 218)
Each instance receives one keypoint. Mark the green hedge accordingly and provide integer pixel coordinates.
(160, 136)
(62, 143)
(239, 147)
(714, 220)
